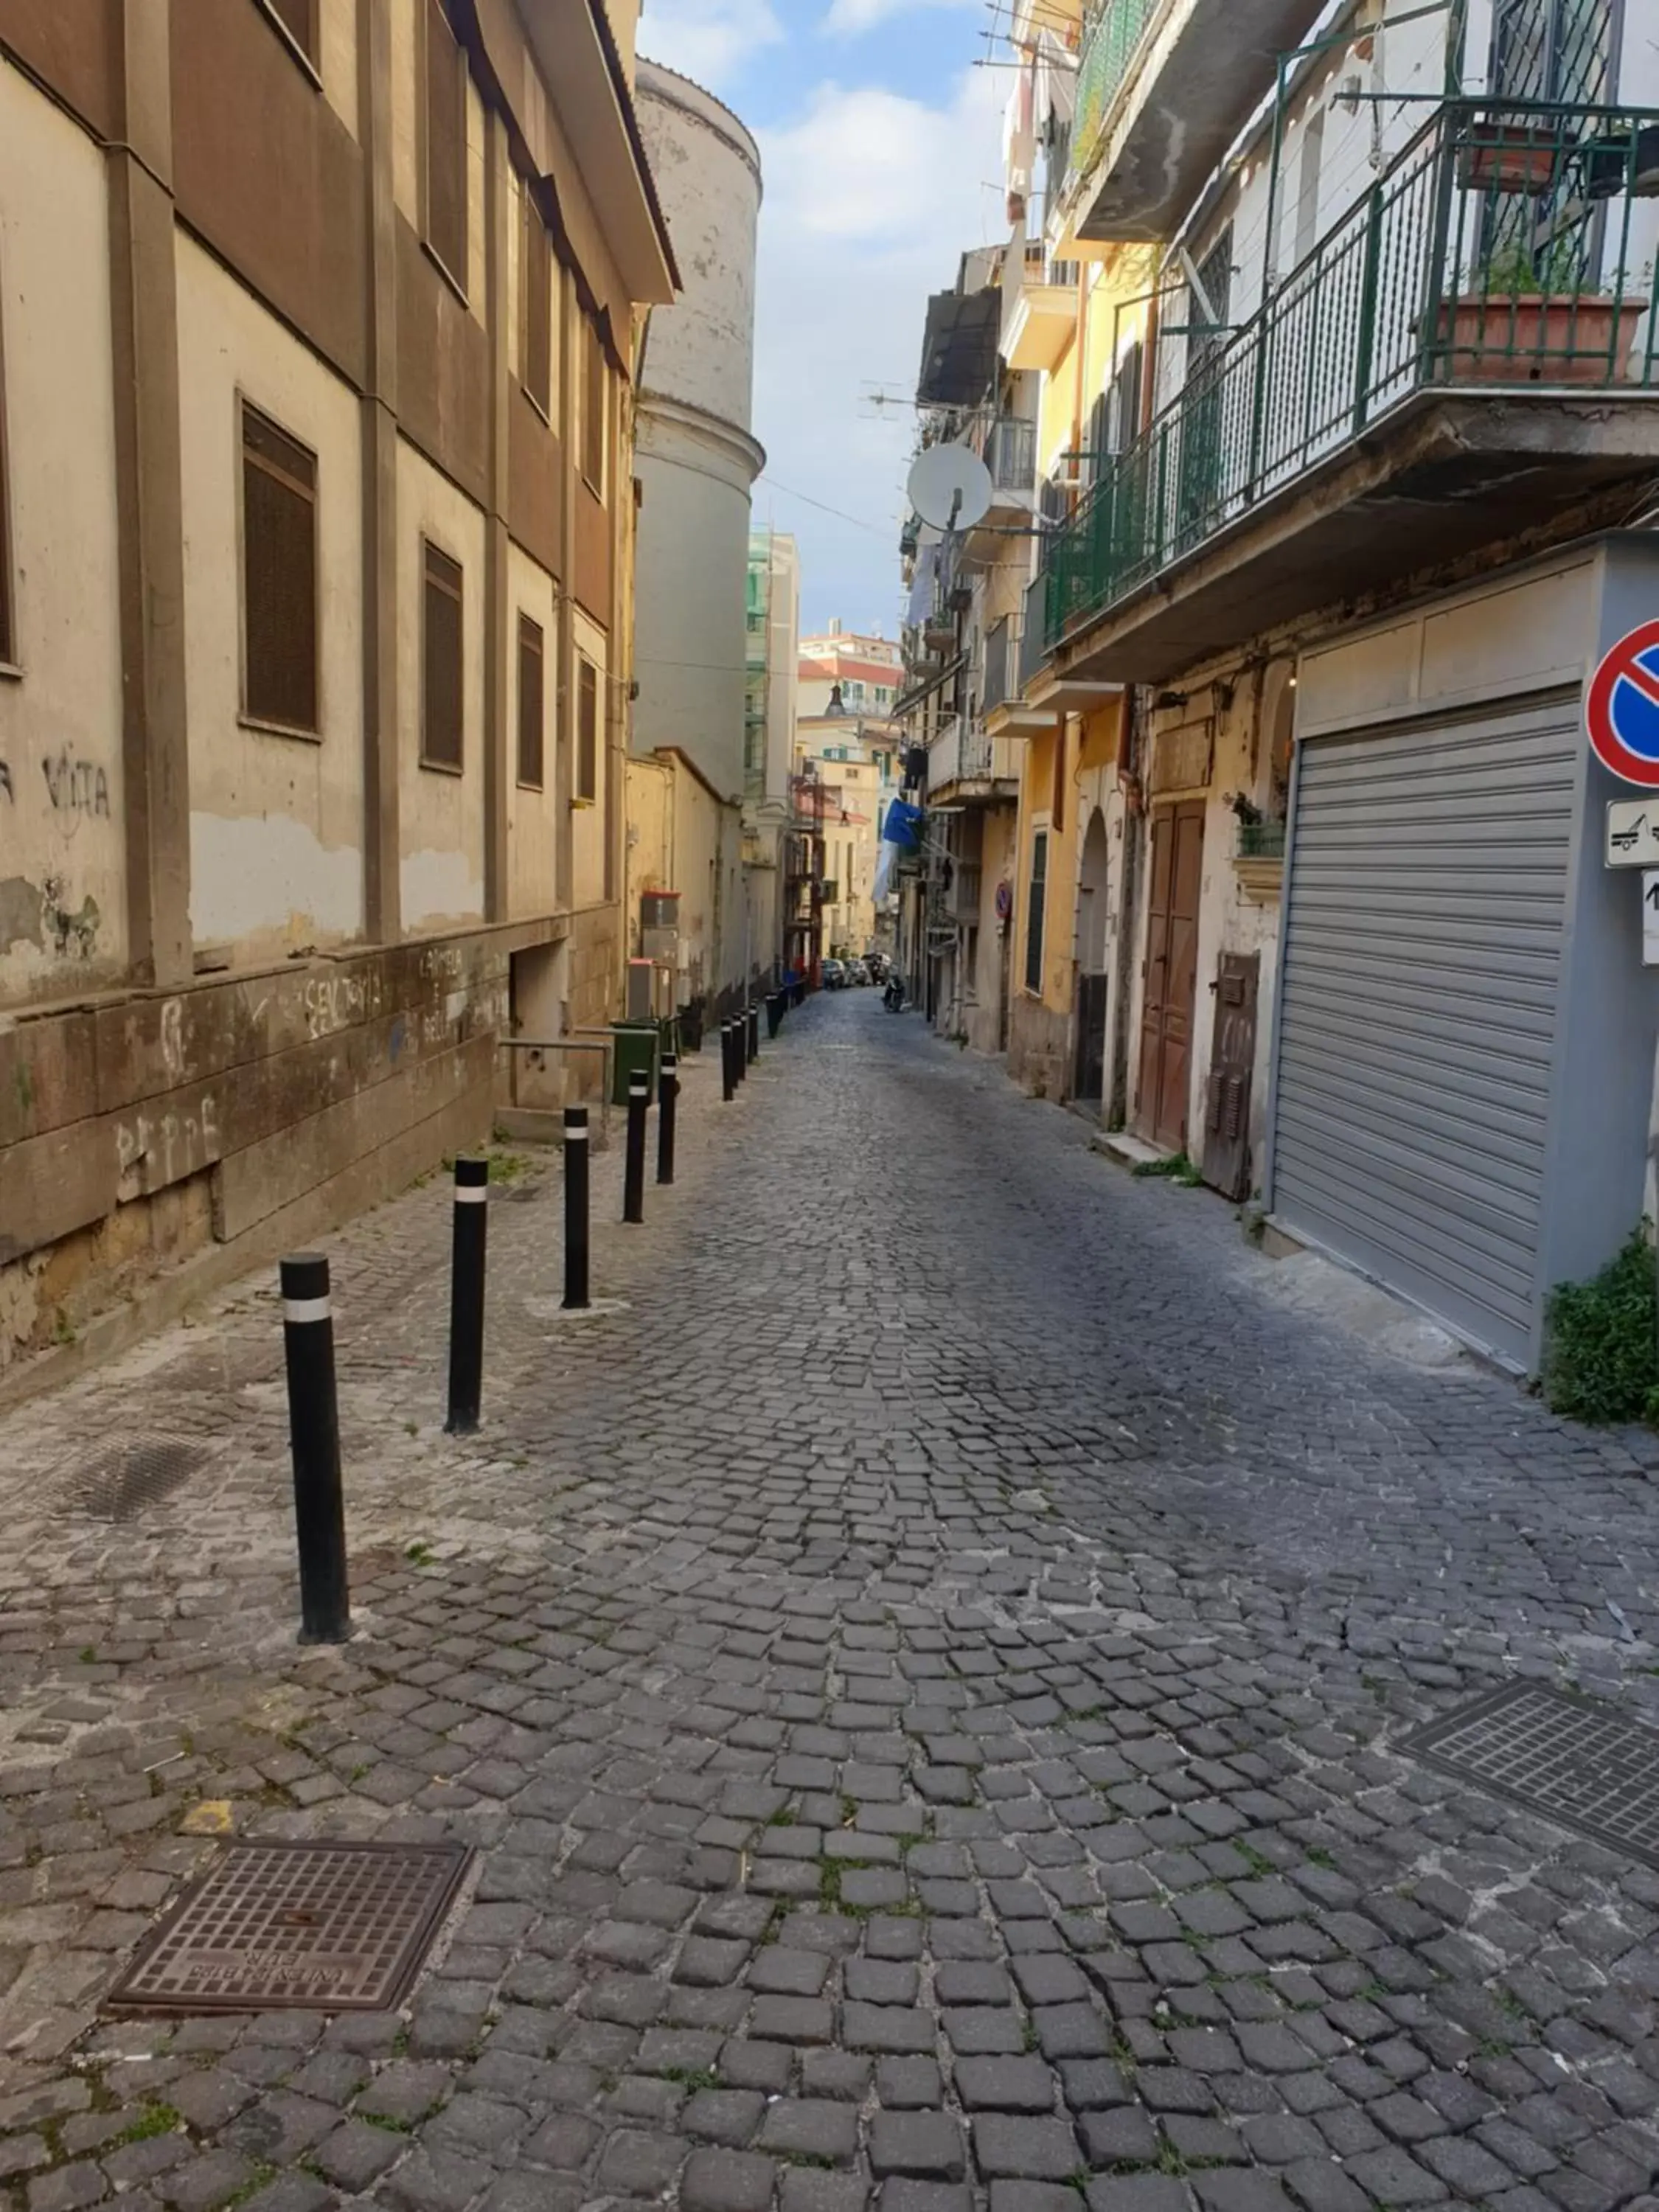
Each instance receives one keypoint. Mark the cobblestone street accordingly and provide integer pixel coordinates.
(924, 1676)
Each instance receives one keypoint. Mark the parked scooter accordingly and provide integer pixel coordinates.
(893, 997)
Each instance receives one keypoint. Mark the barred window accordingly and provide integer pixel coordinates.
(532, 703)
(279, 576)
(441, 659)
(446, 143)
(588, 729)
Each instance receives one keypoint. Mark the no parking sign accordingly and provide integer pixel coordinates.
(1622, 712)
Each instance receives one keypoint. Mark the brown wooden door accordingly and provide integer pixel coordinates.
(1166, 1020)
(1232, 1066)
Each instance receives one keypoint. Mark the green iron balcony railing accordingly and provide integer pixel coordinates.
(1510, 245)
(1111, 34)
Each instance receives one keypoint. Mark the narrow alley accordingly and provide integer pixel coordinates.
(925, 1674)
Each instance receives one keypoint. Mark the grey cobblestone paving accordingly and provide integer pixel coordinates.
(923, 1676)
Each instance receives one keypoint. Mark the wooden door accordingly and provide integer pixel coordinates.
(1171, 974)
(1232, 1067)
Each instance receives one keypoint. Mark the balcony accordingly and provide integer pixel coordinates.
(1040, 306)
(1008, 447)
(1010, 453)
(962, 901)
(1163, 87)
(966, 764)
(1468, 345)
(1006, 659)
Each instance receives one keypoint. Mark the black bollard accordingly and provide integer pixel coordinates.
(314, 1427)
(575, 1208)
(668, 1101)
(774, 1012)
(639, 1099)
(728, 1065)
(753, 1024)
(466, 1296)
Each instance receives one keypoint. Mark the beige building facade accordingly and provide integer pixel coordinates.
(315, 546)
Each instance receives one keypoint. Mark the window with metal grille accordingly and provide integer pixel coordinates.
(588, 729)
(279, 576)
(594, 400)
(441, 712)
(1035, 910)
(535, 295)
(531, 703)
(446, 143)
(299, 18)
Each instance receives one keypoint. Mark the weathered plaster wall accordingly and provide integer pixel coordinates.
(276, 821)
(63, 869)
(134, 1133)
(707, 167)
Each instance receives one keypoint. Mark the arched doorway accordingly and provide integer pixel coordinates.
(1093, 980)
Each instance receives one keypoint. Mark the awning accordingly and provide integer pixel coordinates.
(959, 348)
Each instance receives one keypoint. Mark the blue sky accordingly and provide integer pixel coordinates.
(881, 148)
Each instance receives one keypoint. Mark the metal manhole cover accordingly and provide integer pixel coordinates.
(129, 1477)
(340, 1927)
(1577, 1762)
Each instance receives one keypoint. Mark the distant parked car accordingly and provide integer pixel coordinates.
(858, 972)
(832, 974)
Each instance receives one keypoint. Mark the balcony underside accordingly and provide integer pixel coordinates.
(1203, 74)
(977, 791)
(1441, 479)
(1039, 325)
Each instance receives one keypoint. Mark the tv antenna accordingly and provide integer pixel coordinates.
(878, 401)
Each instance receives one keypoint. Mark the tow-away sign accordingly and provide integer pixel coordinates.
(1633, 833)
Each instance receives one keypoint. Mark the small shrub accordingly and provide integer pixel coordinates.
(1177, 1169)
(1601, 1340)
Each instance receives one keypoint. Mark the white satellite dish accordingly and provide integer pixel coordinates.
(950, 487)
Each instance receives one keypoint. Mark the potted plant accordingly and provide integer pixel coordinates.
(1508, 157)
(1534, 318)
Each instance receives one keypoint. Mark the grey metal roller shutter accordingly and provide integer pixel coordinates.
(1423, 933)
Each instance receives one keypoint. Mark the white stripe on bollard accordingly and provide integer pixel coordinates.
(303, 1310)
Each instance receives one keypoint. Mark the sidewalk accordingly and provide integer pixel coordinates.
(924, 1676)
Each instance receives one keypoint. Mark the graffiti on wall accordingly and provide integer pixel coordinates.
(77, 786)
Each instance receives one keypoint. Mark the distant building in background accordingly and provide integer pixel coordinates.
(852, 758)
(696, 461)
(771, 689)
(868, 671)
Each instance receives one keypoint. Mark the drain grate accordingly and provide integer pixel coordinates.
(128, 1478)
(342, 1927)
(1577, 1762)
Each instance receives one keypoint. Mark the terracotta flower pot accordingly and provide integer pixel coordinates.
(1537, 339)
(1504, 157)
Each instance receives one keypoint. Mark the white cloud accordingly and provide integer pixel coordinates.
(871, 198)
(708, 40)
(852, 18)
